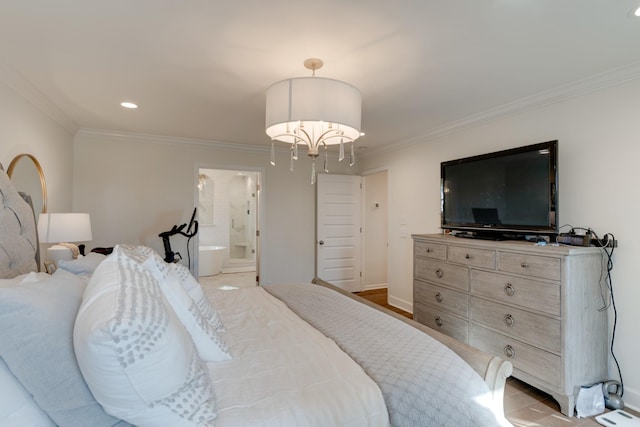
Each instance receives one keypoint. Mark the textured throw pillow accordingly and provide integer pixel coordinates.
(193, 288)
(210, 345)
(36, 327)
(135, 354)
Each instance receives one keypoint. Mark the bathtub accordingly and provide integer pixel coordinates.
(211, 258)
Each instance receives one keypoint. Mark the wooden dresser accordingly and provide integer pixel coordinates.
(537, 306)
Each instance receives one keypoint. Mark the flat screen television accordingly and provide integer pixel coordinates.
(510, 193)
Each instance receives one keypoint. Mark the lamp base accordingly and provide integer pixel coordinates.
(58, 252)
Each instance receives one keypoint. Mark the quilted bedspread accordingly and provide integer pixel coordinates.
(423, 382)
(284, 372)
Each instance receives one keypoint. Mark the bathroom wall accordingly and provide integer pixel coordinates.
(223, 207)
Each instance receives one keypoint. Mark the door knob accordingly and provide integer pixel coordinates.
(321, 242)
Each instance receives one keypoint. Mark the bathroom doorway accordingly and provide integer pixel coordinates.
(228, 216)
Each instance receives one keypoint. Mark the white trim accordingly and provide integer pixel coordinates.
(400, 303)
(574, 89)
(171, 140)
(32, 95)
(374, 171)
(376, 286)
(205, 143)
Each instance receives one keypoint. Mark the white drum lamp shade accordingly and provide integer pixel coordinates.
(328, 110)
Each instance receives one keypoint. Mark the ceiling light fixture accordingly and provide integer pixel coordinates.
(313, 111)
(637, 12)
(129, 105)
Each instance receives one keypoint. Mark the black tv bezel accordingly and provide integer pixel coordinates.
(474, 229)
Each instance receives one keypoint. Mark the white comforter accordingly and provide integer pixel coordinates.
(317, 383)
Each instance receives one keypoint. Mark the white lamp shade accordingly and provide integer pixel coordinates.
(313, 99)
(64, 227)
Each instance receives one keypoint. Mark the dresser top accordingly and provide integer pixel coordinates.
(507, 245)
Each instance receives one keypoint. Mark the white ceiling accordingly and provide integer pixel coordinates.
(200, 68)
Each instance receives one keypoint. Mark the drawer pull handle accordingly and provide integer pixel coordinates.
(524, 264)
(438, 321)
(508, 320)
(467, 256)
(438, 297)
(509, 289)
(509, 351)
(439, 273)
(429, 250)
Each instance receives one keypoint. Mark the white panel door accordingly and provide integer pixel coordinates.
(338, 230)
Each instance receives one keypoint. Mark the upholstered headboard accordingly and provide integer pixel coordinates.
(18, 232)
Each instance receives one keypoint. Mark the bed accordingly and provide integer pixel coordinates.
(127, 339)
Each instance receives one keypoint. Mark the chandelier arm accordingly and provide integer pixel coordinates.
(346, 138)
(300, 139)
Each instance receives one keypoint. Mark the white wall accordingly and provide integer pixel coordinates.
(599, 150)
(135, 187)
(26, 128)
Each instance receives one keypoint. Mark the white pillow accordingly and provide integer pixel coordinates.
(210, 345)
(193, 288)
(135, 354)
(17, 407)
(36, 342)
(83, 265)
(23, 278)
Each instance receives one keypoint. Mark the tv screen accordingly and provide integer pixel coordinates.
(511, 191)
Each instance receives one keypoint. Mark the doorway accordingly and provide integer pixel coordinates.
(228, 206)
(352, 230)
(375, 236)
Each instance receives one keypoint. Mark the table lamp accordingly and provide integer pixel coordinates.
(64, 230)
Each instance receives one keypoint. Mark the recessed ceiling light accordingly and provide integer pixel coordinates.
(129, 105)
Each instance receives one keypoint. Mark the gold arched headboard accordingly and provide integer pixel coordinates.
(43, 184)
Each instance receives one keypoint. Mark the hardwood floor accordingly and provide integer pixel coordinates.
(379, 296)
(524, 406)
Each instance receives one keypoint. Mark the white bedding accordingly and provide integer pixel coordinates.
(317, 383)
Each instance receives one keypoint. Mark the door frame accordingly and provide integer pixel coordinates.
(259, 209)
(365, 203)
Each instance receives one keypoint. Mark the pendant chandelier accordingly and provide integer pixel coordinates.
(316, 112)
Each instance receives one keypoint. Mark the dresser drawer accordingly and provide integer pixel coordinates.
(534, 329)
(455, 276)
(534, 361)
(485, 258)
(430, 250)
(444, 298)
(530, 265)
(531, 294)
(441, 321)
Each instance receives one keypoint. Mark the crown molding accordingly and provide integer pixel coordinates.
(31, 94)
(170, 140)
(562, 93)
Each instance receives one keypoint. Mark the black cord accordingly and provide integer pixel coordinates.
(608, 251)
(189, 252)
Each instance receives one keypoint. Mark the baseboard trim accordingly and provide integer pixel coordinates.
(400, 303)
(631, 399)
(375, 286)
